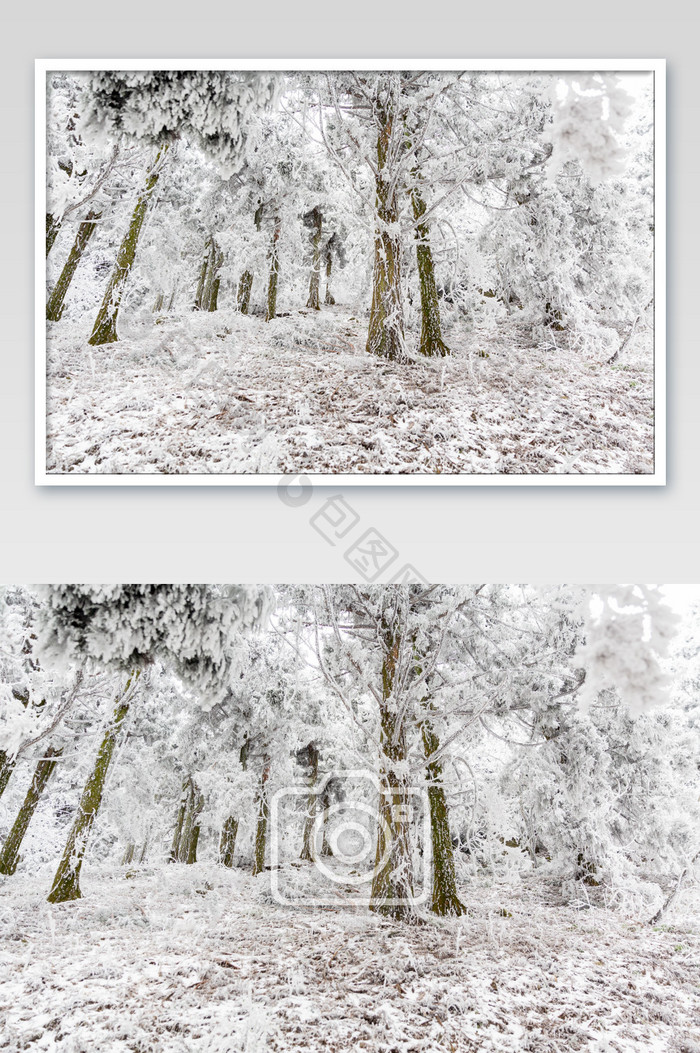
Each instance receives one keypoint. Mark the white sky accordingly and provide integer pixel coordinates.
(681, 597)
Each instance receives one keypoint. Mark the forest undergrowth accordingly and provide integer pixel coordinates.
(200, 958)
(226, 393)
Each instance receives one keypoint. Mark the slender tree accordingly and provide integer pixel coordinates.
(308, 848)
(187, 826)
(245, 282)
(274, 271)
(386, 321)
(66, 883)
(229, 831)
(105, 328)
(54, 306)
(206, 298)
(263, 814)
(392, 885)
(332, 247)
(314, 220)
(9, 856)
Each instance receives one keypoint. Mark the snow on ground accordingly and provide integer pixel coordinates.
(183, 959)
(223, 393)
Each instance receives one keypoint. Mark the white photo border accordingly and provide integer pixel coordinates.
(655, 66)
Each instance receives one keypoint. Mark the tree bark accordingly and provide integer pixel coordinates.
(105, 328)
(316, 219)
(184, 846)
(392, 884)
(386, 322)
(227, 845)
(263, 815)
(66, 883)
(329, 298)
(6, 769)
(53, 226)
(208, 286)
(431, 342)
(245, 283)
(9, 856)
(445, 898)
(54, 307)
(308, 847)
(274, 273)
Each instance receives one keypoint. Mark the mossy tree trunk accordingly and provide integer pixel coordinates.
(245, 286)
(208, 287)
(245, 283)
(54, 306)
(128, 856)
(445, 898)
(53, 226)
(6, 768)
(184, 846)
(315, 221)
(326, 849)
(273, 281)
(229, 831)
(392, 884)
(263, 813)
(66, 883)
(9, 856)
(105, 328)
(386, 322)
(308, 847)
(431, 342)
(227, 844)
(329, 298)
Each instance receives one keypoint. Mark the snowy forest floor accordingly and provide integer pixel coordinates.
(224, 393)
(182, 959)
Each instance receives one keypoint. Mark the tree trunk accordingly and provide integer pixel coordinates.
(431, 342)
(184, 846)
(227, 845)
(308, 846)
(179, 823)
(274, 273)
(326, 849)
(105, 328)
(208, 286)
(445, 899)
(392, 885)
(53, 226)
(66, 884)
(329, 298)
(263, 815)
(386, 322)
(9, 856)
(316, 219)
(245, 283)
(54, 307)
(6, 769)
(128, 856)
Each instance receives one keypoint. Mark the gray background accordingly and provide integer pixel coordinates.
(246, 533)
